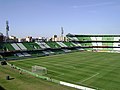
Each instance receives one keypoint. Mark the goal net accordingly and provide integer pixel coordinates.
(39, 70)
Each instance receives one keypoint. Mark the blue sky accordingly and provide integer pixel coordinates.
(45, 17)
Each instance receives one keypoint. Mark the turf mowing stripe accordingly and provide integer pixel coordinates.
(53, 80)
(68, 74)
(58, 68)
(108, 66)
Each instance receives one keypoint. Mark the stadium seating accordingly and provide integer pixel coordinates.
(19, 55)
(9, 47)
(69, 44)
(15, 46)
(66, 50)
(43, 45)
(97, 42)
(76, 42)
(61, 44)
(31, 45)
(53, 44)
(21, 46)
(26, 54)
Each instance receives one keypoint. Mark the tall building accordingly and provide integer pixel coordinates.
(29, 39)
(13, 39)
(58, 38)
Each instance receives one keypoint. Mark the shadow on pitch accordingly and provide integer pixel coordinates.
(11, 78)
(1, 88)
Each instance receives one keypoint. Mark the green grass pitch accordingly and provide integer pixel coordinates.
(25, 81)
(93, 69)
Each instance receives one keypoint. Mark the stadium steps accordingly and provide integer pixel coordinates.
(9, 47)
(69, 44)
(31, 46)
(73, 38)
(66, 50)
(51, 52)
(28, 46)
(19, 55)
(41, 45)
(21, 46)
(84, 38)
(26, 54)
(15, 46)
(53, 44)
(75, 44)
(116, 44)
(61, 44)
(46, 53)
(59, 51)
(107, 38)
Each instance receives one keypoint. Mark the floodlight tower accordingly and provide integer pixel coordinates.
(62, 32)
(7, 29)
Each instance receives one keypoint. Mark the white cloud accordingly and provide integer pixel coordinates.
(93, 5)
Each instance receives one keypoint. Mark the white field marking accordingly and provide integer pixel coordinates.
(89, 77)
(75, 86)
(61, 74)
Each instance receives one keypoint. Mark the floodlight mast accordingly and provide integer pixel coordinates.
(62, 32)
(7, 29)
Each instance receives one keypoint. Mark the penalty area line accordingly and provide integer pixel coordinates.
(89, 77)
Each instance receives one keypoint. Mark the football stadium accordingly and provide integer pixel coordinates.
(59, 45)
(85, 62)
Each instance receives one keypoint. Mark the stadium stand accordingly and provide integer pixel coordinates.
(76, 42)
(66, 50)
(19, 55)
(8, 47)
(61, 44)
(97, 42)
(31, 45)
(15, 46)
(21, 46)
(26, 54)
(51, 52)
(69, 44)
(53, 44)
(43, 45)
(73, 38)
(46, 53)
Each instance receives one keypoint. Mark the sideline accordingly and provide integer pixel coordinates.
(89, 77)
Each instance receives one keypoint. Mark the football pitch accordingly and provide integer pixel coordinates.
(93, 69)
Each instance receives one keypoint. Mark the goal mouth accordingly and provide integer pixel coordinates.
(39, 70)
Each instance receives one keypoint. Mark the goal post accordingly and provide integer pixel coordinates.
(39, 70)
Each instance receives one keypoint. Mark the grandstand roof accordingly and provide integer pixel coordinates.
(92, 35)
